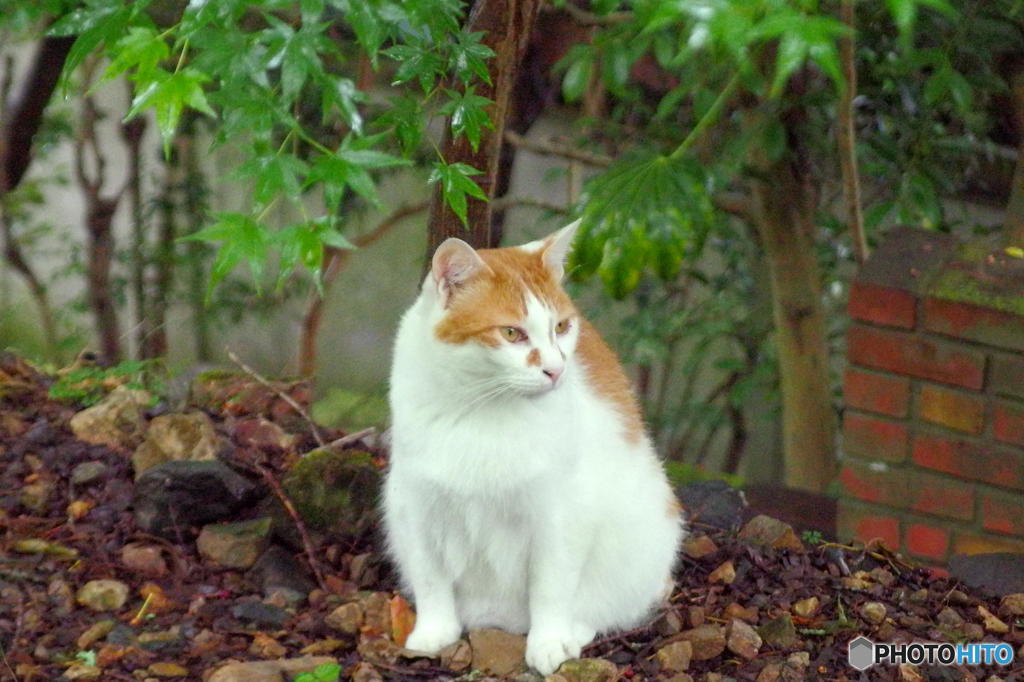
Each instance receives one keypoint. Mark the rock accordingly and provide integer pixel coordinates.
(87, 472)
(909, 672)
(695, 615)
(377, 648)
(708, 641)
(237, 394)
(365, 672)
(145, 559)
(268, 671)
(806, 608)
(377, 612)
(497, 652)
(669, 623)
(675, 657)
(589, 670)
(999, 573)
(699, 546)
(81, 671)
(714, 503)
(884, 576)
(347, 618)
(234, 545)
(40, 546)
(260, 614)
(779, 633)
(335, 492)
(94, 633)
(160, 640)
(991, 622)
(60, 595)
(972, 631)
(680, 677)
(277, 568)
(116, 421)
(735, 610)
(949, 618)
(176, 437)
(725, 574)
(457, 656)
(873, 612)
(172, 497)
(285, 597)
(765, 530)
(103, 595)
(36, 496)
(257, 432)
(743, 640)
(1012, 604)
(799, 660)
(166, 669)
(324, 646)
(265, 646)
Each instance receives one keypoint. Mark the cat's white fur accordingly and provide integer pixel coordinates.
(511, 502)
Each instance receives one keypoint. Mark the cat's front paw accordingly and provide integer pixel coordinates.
(545, 651)
(432, 637)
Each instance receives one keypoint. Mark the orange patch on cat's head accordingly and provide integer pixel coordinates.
(495, 296)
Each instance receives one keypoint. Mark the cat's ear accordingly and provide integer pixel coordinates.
(556, 248)
(454, 262)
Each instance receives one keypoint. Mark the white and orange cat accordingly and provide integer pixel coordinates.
(523, 492)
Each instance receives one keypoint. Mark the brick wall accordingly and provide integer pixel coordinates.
(933, 428)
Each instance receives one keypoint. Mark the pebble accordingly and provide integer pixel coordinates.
(87, 472)
(873, 612)
(457, 656)
(347, 618)
(95, 633)
(143, 558)
(103, 595)
(497, 652)
(806, 608)
(260, 613)
(991, 622)
(589, 670)
(708, 641)
(675, 657)
(743, 640)
(1013, 604)
(166, 669)
(725, 574)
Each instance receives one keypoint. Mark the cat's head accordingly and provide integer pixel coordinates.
(502, 313)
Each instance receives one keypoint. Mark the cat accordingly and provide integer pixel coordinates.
(523, 492)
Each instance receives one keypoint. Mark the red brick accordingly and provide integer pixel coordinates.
(905, 489)
(1002, 513)
(1007, 376)
(877, 393)
(1008, 423)
(974, 323)
(882, 305)
(873, 438)
(909, 355)
(927, 541)
(973, 543)
(865, 524)
(974, 461)
(952, 409)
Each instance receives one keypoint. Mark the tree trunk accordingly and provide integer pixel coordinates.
(163, 281)
(508, 24)
(785, 204)
(99, 219)
(195, 209)
(132, 133)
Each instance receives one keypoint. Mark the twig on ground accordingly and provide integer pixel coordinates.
(350, 438)
(300, 525)
(281, 394)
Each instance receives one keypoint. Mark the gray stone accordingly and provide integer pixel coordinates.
(87, 472)
(708, 641)
(999, 573)
(172, 497)
(234, 545)
(715, 503)
(260, 613)
(589, 670)
(116, 421)
(779, 633)
(675, 657)
(103, 595)
(743, 639)
(277, 568)
(176, 437)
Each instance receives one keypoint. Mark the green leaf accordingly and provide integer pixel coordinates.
(168, 94)
(577, 77)
(468, 114)
(469, 57)
(96, 25)
(242, 239)
(140, 50)
(791, 55)
(456, 184)
(274, 174)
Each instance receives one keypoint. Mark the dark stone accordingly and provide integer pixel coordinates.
(121, 635)
(713, 503)
(171, 497)
(40, 433)
(278, 568)
(999, 573)
(258, 613)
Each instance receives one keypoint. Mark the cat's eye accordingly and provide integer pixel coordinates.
(513, 334)
(562, 327)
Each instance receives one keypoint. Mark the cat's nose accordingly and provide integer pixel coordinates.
(553, 373)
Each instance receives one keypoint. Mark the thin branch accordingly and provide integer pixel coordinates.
(734, 203)
(847, 134)
(585, 18)
(709, 118)
(505, 203)
(552, 148)
(280, 394)
(340, 443)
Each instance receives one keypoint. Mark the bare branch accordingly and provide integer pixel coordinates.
(848, 136)
(552, 148)
(505, 203)
(585, 18)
